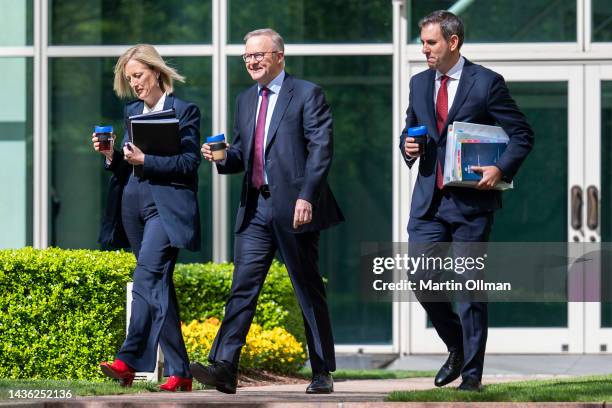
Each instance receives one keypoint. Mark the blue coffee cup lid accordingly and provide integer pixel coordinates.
(103, 129)
(417, 131)
(216, 138)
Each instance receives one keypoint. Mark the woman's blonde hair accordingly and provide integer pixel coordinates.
(148, 55)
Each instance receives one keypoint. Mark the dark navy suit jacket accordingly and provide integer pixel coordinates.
(482, 97)
(299, 150)
(173, 181)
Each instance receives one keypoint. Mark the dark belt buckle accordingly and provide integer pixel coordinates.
(265, 191)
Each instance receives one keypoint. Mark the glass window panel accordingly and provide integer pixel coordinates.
(302, 21)
(528, 215)
(81, 96)
(606, 196)
(601, 30)
(504, 21)
(102, 22)
(16, 18)
(16, 126)
(359, 91)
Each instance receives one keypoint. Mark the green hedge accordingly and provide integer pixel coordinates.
(63, 311)
(202, 290)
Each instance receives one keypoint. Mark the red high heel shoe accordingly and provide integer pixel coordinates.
(119, 371)
(174, 382)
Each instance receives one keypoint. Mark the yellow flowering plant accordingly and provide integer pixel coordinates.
(267, 349)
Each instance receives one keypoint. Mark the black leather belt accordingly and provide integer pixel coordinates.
(264, 191)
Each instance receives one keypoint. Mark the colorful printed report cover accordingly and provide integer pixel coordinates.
(478, 154)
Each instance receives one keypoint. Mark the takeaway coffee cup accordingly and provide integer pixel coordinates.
(419, 133)
(105, 137)
(217, 146)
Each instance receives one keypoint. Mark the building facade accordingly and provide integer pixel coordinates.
(56, 63)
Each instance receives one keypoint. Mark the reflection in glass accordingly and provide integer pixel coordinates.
(101, 22)
(16, 17)
(529, 213)
(302, 21)
(81, 96)
(359, 91)
(601, 29)
(16, 126)
(504, 21)
(606, 196)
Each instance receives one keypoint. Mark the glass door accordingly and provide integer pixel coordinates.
(598, 182)
(537, 210)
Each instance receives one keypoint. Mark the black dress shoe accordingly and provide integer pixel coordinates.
(470, 384)
(221, 375)
(322, 383)
(450, 370)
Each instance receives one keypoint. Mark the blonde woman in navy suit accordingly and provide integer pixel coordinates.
(157, 213)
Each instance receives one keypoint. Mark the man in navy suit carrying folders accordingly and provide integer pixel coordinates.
(455, 89)
(282, 141)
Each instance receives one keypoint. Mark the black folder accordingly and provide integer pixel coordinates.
(155, 133)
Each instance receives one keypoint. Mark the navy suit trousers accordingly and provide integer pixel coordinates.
(155, 317)
(467, 328)
(254, 251)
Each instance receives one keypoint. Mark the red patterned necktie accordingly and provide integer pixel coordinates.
(441, 116)
(257, 178)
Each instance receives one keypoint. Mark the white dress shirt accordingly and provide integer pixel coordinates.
(274, 89)
(452, 84)
(158, 106)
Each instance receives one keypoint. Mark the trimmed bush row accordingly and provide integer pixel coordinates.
(63, 311)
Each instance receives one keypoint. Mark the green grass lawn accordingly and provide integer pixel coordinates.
(109, 387)
(372, 374)
(579, 389)
(75, 387)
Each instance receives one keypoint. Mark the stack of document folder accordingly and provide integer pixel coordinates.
(155, 133)
(471, 144)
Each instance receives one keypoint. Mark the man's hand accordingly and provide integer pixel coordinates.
(133, 154)
(206, 152)
(410, 148)
(491, 175)
(302, 214)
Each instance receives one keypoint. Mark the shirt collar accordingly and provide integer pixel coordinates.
(455, 71)
(275, 85)
(158, 106)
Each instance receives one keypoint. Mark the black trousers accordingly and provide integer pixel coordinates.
(467, 329)
(254, 251)
(155, 316)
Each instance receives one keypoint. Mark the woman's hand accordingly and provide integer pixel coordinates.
(96, 146)
(133, 154)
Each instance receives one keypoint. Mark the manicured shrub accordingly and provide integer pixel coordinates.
(63, 311)
(203, 289)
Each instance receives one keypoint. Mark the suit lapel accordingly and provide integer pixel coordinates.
(251, 105)
(136, 108)
(169, 102)
(465, 85)
(133, 109)
(284, 97)
(431, 108)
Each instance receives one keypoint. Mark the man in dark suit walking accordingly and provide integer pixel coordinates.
(455, 89)
(283, 143)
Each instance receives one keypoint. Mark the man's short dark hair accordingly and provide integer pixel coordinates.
(450, 24)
